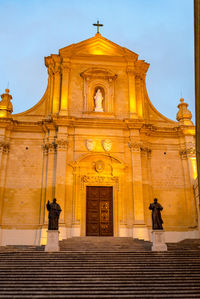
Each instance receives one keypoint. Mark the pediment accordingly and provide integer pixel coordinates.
(98, 73)
(97, 45)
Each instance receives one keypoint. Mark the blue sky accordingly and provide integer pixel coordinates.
(160, 31)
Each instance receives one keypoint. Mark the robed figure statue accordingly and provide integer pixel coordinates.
(54, 213)
(98, 101)
(156, 214)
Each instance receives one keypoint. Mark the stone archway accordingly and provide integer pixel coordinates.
(96, 170)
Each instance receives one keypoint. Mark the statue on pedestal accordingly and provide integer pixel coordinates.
(98, 101)
(54, 213)
(156, 214)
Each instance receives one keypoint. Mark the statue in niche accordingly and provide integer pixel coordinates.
(98, 99)
(54, 213)
(156, 214)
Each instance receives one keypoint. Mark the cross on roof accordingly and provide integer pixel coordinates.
(98, 25)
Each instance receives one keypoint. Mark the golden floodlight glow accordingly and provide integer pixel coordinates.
(132, 104)
(140, 110)
(3, 113)
(194, 167)
(97, 51)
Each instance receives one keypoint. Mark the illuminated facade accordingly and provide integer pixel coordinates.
(97, 144)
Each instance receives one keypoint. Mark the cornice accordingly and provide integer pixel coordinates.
(157, 131)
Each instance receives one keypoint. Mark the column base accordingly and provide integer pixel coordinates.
(158, 239)
(52, 241)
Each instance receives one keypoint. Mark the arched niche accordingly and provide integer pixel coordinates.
(103, 79)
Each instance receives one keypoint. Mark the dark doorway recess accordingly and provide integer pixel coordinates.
(99, 211)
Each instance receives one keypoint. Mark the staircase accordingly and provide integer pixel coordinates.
(115, 271)
(106, 244)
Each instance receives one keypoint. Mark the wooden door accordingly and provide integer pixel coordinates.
(99, 211)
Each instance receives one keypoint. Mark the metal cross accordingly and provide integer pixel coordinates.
(98, 25)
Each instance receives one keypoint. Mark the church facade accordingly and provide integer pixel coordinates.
(96, 143)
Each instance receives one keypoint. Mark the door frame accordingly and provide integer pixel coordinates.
(109, 182)
(99, 209)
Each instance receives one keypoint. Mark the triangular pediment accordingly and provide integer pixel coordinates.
(97, 45)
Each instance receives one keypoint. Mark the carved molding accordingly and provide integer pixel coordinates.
(62, 144)
(49, 147)
(135, 146)
(104, 80)
(187, 153)
(4, 147)
(146, 150)
(99, 179)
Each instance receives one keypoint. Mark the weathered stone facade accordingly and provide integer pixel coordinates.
(62, 145)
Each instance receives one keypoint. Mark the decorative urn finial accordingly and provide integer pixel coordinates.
(184, 115)
(6, 107)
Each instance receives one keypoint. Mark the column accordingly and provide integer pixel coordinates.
(64, 89)
(132, 93)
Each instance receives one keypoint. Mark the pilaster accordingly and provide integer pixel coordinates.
(139, 230)
(49, 170)
(4, 151)
(140, 94)
(132, 92)
(188, 157)
(64, 88)
(61, 165)
(56, 91)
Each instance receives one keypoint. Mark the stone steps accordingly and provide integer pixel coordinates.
(104, 244)
(107, 273)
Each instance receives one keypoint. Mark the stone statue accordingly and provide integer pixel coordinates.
(54, 213)
(98, 101)
(156, 214)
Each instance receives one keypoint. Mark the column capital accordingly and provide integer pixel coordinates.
(130, 70)
(65, 67)
(4, 147)
(135, 146)
(62, 144)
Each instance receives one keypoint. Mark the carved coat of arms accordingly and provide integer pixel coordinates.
(107, 144)
(99, 166)
(90, 144)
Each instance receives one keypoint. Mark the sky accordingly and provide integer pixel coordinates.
(161, 32)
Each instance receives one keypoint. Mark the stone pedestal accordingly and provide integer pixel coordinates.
(158, 239)
(52, 241)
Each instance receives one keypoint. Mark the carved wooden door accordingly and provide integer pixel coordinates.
(99, 215)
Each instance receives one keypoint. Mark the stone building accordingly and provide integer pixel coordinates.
(96, 143)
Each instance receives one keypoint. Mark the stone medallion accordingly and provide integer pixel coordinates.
(90, 144)
(107, 144)
(99, 166)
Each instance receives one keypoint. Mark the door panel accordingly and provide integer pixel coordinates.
(99, 215)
